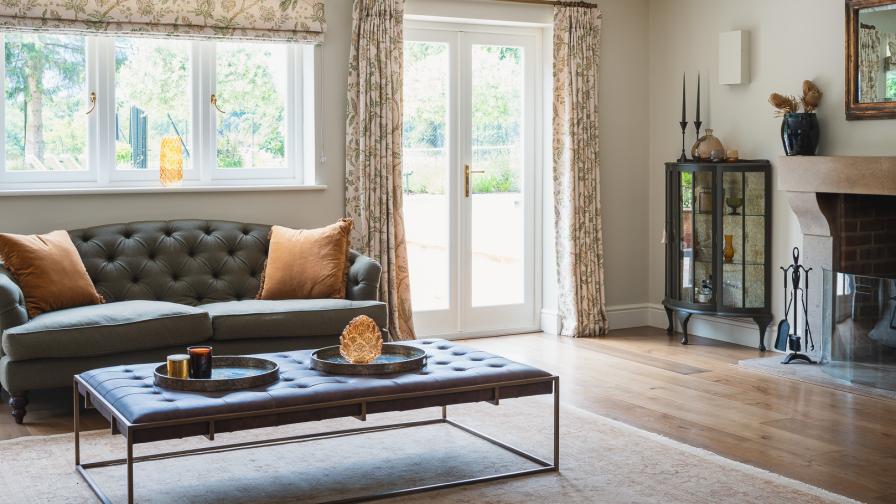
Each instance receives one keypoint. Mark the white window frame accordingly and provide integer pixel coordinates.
(302, 131)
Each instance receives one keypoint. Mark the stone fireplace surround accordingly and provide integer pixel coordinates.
(846, 207)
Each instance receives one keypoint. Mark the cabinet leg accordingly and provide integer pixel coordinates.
(669, 315)
(763, 323)
(684, 328)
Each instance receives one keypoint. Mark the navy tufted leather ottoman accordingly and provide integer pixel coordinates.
(454, 374)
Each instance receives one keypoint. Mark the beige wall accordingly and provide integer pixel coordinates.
(791, 40)
(29, 214)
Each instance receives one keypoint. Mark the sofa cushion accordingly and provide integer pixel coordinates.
(306, 263)
(107, 329)
(288, 318)
(49, 271)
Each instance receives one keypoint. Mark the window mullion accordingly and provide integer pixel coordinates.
(3, 107)
(293, 140)
(203, 84)
(101, 123)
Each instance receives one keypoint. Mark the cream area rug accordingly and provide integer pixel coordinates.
(601, 460)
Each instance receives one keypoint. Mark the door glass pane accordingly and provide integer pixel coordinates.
(251, 89)
(498, 218)
(46, 101)
(425, 172)
(686, 245)
(152, 100)
(744, 228)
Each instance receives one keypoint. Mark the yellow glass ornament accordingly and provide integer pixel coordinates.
(171, 162)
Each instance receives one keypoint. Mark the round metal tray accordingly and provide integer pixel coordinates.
(228, 373)
(394, 359)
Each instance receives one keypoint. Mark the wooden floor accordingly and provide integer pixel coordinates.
(696, 394)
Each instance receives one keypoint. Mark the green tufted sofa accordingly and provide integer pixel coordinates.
(168, 285)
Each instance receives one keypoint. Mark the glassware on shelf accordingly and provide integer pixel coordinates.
(704, 295)
(729, 248)
(734, 203)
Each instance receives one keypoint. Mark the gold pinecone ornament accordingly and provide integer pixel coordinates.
(361, 341)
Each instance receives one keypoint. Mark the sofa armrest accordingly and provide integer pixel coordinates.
(363, 278)
(12, 302)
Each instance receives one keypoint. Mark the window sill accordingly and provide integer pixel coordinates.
(36, 190)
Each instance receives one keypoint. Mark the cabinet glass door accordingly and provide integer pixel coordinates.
(695, 218)
(743, 244)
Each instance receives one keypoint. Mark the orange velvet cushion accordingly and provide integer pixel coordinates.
(49, 271)
(307, 263)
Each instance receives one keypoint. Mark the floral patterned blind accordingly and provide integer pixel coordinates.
(277, 20)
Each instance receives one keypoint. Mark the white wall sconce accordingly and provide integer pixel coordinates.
(734, 57)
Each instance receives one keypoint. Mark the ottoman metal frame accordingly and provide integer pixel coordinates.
(120, 425)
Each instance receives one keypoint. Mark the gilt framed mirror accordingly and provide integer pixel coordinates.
(870, 59)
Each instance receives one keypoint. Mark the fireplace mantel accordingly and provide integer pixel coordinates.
(837, 174)
(814, 186)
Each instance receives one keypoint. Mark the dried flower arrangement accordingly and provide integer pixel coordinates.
(787, 104)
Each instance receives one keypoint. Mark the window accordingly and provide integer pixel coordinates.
(45, 127)
(93, 111)
(152, 100)
(252, 132)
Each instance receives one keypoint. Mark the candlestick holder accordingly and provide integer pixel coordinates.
(697, 125)
(684, 128)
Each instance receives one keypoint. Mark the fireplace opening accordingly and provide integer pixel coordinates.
(859, 299)
(859, 326)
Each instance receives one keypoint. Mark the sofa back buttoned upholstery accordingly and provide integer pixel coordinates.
(189, 262)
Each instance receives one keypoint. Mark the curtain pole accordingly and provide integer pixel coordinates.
(553, 3)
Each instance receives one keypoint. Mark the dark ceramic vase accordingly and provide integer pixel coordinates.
(800, 133)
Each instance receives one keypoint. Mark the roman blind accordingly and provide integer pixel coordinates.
(276, 20)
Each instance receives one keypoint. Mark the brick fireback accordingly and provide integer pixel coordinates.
(864, 232)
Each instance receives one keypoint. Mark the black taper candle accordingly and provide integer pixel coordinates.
(697, 122)
(684, 121)
(698, 97)
(683, 98)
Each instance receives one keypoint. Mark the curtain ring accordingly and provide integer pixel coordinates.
(214, 101)
(92, 103)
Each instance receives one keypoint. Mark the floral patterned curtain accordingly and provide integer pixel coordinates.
(280, 20)
(579, 239)
(870, 64)
(373, 189)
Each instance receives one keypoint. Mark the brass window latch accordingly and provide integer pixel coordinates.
(467, 173)
(214, 101)
(92, 103)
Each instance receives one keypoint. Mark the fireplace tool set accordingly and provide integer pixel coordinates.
(797, 301)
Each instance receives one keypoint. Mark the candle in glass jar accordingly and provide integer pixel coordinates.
(200, 362)
(179, 366)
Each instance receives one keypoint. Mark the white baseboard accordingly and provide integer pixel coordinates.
(625, 316)
(550, 321)
(739, 331)
(733, 330)
(621, 317)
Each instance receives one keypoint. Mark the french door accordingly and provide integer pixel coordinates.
(469, 180)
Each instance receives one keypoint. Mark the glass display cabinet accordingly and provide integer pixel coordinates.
(718, 242)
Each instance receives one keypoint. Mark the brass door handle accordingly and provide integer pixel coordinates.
(467, 173)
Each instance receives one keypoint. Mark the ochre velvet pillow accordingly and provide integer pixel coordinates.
(49, 271)
(307, 263)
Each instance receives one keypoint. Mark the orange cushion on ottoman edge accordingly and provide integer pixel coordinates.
(49, 271)
(307, 263)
